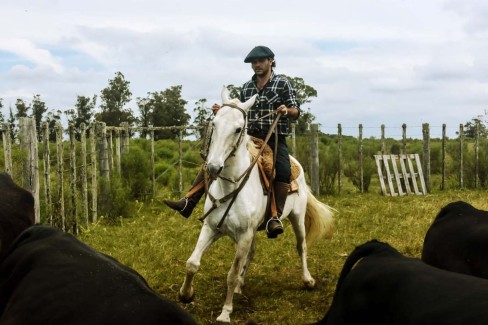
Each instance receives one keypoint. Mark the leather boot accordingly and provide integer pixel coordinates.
(186, 205)
(274, 227)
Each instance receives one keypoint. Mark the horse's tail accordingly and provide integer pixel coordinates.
(319, 220)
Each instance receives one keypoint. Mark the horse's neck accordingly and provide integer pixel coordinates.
(237, 164)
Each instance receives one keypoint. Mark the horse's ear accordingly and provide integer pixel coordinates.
(225, 95)
(249, 103)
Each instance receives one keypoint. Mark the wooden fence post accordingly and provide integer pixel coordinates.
(443, 180)
(180, 161)
(339, 148)
(125, 138)
(105, 186)
(83, 176)
(118, 157)
(476, 154)
(103, 151)
(383, 140)
(110, 155)
(60, 178)
(361, 169)
(152, 162)
(314, 171)
(7, 148)
(72, 177)
(293, 138)
(404, 138)
(47, 171)
(94, 182)
(30, 165)
(461, 156)
(426, 155)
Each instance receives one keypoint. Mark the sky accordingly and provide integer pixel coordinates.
(372, 62)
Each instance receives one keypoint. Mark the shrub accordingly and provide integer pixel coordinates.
(136, 172)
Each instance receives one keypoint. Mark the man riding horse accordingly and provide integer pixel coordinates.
(276, 95)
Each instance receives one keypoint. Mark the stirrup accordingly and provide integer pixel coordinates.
(186, 204)
(267, 223)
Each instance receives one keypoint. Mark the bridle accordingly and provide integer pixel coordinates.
(244, 176)
(241, 134)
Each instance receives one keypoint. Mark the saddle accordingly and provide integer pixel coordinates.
(265, 165)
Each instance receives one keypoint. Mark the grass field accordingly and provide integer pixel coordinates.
(156, 242)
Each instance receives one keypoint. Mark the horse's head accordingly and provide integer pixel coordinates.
(229, 129)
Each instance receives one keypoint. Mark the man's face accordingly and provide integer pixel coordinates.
(261, 66)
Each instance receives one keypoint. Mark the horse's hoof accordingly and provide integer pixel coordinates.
(309, 285)
(221, 323)
(184, 299)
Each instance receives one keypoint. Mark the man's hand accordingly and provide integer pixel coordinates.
(215, 108)
(283, 110)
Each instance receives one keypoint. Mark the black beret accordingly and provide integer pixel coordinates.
(259, 52)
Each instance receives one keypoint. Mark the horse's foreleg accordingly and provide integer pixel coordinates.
(205, 240)
(250, 256)
(233, 277)
(299, 229)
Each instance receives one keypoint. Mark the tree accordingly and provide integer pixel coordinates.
(203, 114)
(113, 99)
(22, 109)
(304, 94)
(11, 122)
(306, 118)
(38, 110)
(168, 109)
(235, 91)
(145, 111)
(52, 117)
(479, 121)
(81, 113)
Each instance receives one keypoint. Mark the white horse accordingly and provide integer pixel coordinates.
(227, 161)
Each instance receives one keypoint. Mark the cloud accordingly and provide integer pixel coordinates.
(371, 62)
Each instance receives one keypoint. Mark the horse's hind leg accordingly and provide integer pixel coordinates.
(233, 277)
(299, 229)
(205, 240)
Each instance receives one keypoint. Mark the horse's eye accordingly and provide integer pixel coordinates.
(238, 130)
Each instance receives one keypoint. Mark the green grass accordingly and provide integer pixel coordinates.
(157, 242)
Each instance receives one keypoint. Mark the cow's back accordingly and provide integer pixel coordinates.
(457, 240)
(386, 287)
(49, 277)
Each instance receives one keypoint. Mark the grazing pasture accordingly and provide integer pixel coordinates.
(157, 242)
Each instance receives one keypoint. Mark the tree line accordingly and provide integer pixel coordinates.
(158, 108)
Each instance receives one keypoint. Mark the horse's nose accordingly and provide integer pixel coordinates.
(214, 170)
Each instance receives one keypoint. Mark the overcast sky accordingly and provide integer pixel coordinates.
(371, 61)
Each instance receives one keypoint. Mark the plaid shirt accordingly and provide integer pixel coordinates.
(276, 92)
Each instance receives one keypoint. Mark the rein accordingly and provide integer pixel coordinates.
(245, 176)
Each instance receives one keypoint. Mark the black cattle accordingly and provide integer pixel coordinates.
(50, 277)
(16, 211)
(378, 285)
(457, 240)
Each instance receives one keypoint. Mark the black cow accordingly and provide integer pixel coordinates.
(378, 285)
(50, 277)
(457, 240)
(16, 211)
